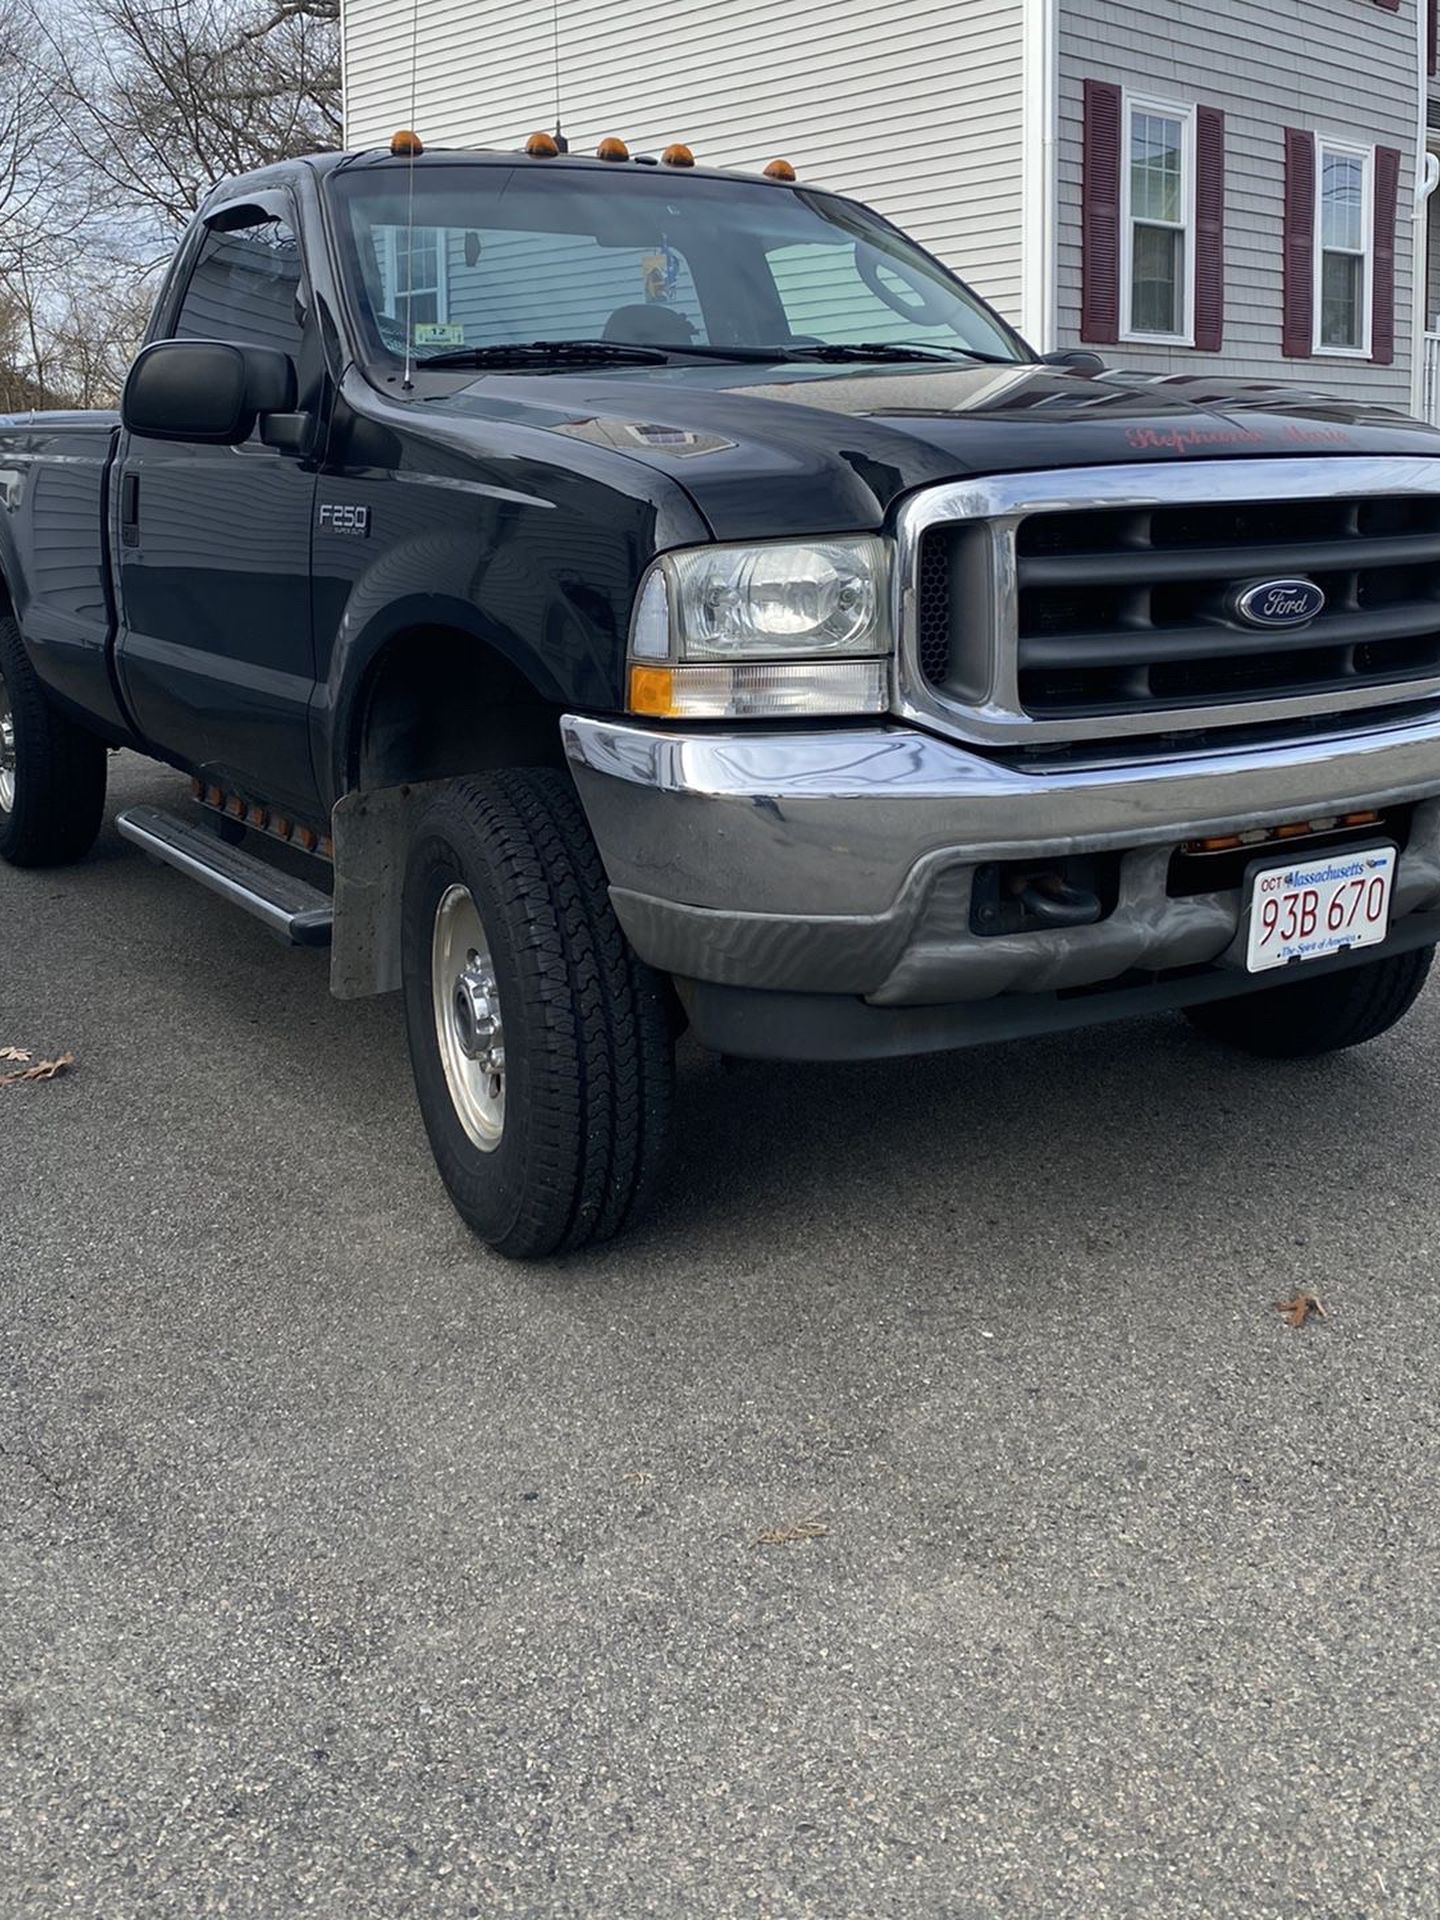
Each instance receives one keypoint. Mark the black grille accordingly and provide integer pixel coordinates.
(1124, 611)
(932, 599)
(1121, 609)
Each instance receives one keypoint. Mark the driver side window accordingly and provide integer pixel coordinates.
(245, 286)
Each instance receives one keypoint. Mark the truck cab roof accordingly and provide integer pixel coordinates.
(381, 158)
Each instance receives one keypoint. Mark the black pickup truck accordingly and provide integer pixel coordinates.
(651, 595)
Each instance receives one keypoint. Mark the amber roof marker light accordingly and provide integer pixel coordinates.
(677, 156)
(779, 170)
(406, 143)
(542, 146)
(611, 148)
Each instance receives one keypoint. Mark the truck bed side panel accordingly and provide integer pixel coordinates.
(54, 551)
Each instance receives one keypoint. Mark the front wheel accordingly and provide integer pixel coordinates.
(540, 1043)
(1304, 1018)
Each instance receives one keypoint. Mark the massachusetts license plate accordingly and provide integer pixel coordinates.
(1319, 906)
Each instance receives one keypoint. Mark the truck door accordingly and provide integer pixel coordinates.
(215, 651)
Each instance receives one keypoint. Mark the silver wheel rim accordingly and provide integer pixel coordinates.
(7, 750)
(468, 1025)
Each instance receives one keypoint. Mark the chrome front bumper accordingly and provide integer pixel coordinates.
(841, 862)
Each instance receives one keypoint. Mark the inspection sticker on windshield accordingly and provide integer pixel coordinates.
(439, 333)
(1320, 906)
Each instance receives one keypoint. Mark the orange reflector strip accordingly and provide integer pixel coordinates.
(612, 149)
(1221, 843)
(1292, 830)
(1370, 819)
(652, 691)
(542, 146)
(406, 142)
(779, 170)
(677, 156)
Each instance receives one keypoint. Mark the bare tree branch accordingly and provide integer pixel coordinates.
(116, 117)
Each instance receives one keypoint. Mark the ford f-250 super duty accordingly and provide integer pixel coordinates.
(651, 594)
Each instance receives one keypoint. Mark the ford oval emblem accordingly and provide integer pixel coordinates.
(1277, 603)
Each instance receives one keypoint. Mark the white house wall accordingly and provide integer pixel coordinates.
(916, 110)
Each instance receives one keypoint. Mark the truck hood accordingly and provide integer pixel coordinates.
(808, 449)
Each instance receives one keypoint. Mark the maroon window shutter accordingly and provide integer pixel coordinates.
(1297, 332)
(1382, 307)
(1209, 228)
(1100, 216)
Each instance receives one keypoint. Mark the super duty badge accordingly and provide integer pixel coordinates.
(345, 519)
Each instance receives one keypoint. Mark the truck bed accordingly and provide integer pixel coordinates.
(55, 545)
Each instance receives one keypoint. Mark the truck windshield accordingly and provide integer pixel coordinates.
(504, 256)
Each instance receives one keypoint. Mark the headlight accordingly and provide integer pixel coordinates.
(783, 604)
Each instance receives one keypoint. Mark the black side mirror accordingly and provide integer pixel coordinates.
(1075, 360)
(205, 390)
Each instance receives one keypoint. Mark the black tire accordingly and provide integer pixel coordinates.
(58, 769)
(588, 1057)
(1305, 1018)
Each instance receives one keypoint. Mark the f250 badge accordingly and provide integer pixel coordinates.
(339, 518)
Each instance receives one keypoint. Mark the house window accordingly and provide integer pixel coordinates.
(412, 263)
(1157, 219)
(1342, 248)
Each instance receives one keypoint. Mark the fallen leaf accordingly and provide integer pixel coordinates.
(1300, 1309)
(14, 1053)
(42, 1070)
(788, 1535)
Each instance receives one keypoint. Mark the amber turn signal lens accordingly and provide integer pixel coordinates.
(612, 149)
(677, 156)
(779, 170)
(542, 146)
(1370, 819)
(652, 691)
(406, 142)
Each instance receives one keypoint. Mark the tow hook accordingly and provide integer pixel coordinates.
(1049, 900)
(1019, 896)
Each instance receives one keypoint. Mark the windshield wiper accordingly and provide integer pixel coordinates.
(699, 352)
(548, 353)
(891, 350)
(627, 353)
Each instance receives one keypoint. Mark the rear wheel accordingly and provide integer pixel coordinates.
(52, 773)
(1305, 1018)
(540, 1043)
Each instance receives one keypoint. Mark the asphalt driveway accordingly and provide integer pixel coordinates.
(928, 1514)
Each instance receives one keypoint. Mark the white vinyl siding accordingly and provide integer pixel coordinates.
(1344, 70)
(915, 110)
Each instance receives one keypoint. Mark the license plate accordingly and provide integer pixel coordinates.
(1339, 901)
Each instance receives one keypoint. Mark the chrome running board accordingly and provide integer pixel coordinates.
(292, 909)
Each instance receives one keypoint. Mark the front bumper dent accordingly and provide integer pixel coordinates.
(841, 862)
